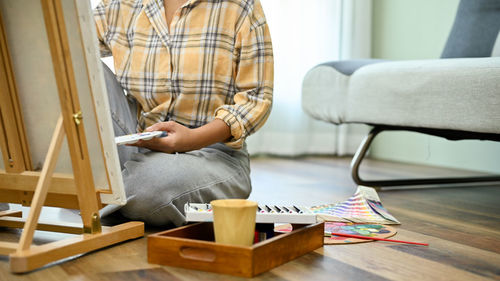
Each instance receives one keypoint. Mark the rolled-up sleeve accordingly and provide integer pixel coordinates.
(101, 21)
(254, 76)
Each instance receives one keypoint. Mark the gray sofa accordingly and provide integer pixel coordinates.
(456, 97)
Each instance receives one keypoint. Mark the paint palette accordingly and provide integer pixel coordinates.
(368, 230)
(133, 138)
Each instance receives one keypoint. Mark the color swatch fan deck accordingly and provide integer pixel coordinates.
(363, 207)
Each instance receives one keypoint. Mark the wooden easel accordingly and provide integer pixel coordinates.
(20, 184)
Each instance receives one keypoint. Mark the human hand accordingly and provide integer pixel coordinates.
(179, 138)
(182, 139)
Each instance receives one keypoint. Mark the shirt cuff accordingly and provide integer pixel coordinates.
(235, 125)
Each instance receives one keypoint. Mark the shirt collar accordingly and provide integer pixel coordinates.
(153, 10)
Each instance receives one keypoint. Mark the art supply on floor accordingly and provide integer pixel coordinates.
(133, 138)
(366, 231)
(198, 212)
(377, 239)
(363, 207)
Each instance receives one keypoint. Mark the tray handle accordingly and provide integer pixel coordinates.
(198, 254)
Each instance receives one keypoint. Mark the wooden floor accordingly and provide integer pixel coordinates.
(462, 226)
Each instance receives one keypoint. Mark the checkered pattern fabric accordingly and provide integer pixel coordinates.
(214, 61)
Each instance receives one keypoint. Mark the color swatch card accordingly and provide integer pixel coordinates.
(363, 207)
(133, 138)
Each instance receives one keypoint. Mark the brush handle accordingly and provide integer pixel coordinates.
(375, 238)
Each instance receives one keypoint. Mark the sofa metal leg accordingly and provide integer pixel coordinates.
(363, 148)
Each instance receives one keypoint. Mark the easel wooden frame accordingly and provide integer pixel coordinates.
(19, 184)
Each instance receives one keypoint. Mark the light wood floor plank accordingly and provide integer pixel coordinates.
(395, 265)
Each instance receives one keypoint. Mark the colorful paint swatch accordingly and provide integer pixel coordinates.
(363, 207)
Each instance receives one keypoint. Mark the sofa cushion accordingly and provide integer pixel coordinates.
(453, 94)
(325, 86)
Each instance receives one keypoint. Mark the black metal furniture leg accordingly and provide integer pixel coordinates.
(363, 148)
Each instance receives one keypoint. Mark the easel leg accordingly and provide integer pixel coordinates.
(38, 256)
(42, 187)
(11, 213)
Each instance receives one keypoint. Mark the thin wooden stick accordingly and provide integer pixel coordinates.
(374, 238)
(42, 186)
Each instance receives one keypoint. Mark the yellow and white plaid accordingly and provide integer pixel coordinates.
(215, 61)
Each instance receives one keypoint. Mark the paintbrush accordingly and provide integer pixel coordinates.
(373, 238)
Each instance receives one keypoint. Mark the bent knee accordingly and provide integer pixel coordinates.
(164, 204)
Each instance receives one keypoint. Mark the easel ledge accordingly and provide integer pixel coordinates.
(90, 235)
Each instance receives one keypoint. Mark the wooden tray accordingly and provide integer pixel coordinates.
(193, 247)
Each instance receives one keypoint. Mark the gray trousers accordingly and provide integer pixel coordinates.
(158, 184)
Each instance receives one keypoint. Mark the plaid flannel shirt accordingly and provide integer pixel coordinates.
(215, 61)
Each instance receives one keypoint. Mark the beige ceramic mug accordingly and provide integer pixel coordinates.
(234, 221)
